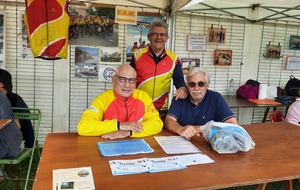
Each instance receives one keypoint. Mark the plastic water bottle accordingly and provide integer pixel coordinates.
(231, 88)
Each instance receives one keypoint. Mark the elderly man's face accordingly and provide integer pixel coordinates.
(197, 87)
(124, 81)
(158, 38)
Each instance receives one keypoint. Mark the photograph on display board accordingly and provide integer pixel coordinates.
(216, 35)
(2, 48)
(25, 45)
(273, 51)
(294, 42)
(86, 62)
(110, 55)
(223, 57)
(188, 63)
(137, 34)
(93, 26)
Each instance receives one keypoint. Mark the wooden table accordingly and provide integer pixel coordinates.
(238, 102)
(274, 158)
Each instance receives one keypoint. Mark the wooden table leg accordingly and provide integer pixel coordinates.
(266, 114)
(261, 186)
(288, 184)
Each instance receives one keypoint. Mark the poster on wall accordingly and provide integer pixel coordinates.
(216, 35)
(293, 63)
(196, 42)
(86, 62)
(188, 63)
(294, 42)
(92, 26)
(2, 40)
(25, 45)
(110, 55)
(223, 57)
(137, 34)
(125, 15)
(273, 51)
(106, 72)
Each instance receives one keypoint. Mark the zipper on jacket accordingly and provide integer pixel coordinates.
(125, 103)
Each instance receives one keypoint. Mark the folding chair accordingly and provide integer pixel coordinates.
(34, 115)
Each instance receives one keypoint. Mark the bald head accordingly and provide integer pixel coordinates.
(124, 80)
(126, 68)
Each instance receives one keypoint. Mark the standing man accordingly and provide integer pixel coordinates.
(185, 116)
(122, 111)
(156, 66)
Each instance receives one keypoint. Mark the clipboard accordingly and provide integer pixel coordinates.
(4, 122)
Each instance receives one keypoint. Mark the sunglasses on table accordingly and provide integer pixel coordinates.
(124, 79)
(193, 84)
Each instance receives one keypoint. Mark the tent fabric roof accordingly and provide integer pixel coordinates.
(253, 11)
(165, 7)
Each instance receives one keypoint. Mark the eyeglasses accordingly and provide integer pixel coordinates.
(158, 34)
(193, 84)
(124, 79)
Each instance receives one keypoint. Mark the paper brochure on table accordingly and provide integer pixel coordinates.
(124, 147)
(124, 167)
(142, 165)
(73, 178)
(176, 145)
(164, 164)
(194, 159)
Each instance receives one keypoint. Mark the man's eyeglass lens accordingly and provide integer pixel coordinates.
(200, 84)
(124, 80)
(158, 34)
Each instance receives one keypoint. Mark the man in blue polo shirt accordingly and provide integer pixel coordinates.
(185, 116)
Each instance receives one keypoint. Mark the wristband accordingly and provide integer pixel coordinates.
(118, 125)
(130, 132)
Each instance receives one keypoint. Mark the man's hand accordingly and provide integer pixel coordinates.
(189, 131)
(181, 93)
(131, 126)
(116, 135)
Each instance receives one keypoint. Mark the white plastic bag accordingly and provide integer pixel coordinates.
(267, 91)
(226, 138)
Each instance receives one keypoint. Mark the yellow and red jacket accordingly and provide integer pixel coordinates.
(109, 108)
(155, 78)
(47, 25)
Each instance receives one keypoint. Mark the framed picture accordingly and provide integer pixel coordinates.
(223, 57)
(86, 62)
(216, 35)
(293, 63)
(196, 42)
(294, 42)
(188, 63)
(273, 51)
(2, 40)
(93, 26)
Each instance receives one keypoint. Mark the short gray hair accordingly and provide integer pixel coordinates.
(158, 23)
(195, 70)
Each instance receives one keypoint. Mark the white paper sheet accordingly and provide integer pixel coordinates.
(194, 159)
(176, 145)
